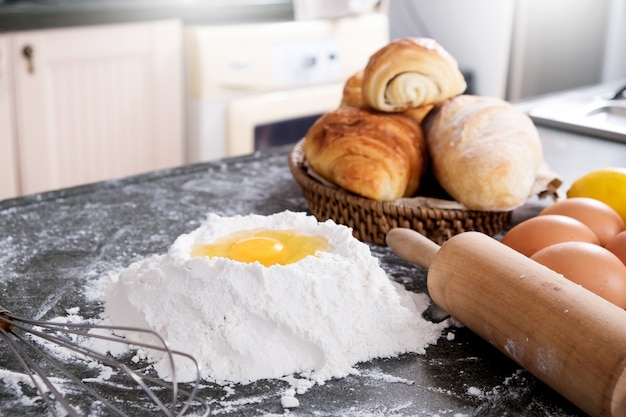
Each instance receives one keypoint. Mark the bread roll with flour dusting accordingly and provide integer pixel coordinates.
(484, 152)
(378, 156)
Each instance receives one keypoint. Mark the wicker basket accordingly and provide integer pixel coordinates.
(370, 220)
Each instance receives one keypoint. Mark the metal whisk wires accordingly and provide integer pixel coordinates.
(20, 335)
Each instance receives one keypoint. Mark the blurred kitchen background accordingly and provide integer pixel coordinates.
(99, 89)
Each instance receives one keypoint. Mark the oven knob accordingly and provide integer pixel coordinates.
(310, 61)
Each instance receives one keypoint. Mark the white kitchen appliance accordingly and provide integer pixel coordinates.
(253, 86)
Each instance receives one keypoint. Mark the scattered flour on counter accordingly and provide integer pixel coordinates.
(15, 382)
(387, 378)
(450, 415)
(305, 322)
(475, 392)
(289, 400)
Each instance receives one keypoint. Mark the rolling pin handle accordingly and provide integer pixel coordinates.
(412, 246)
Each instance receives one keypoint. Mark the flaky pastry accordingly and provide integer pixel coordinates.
(378, 156)
(409, 73)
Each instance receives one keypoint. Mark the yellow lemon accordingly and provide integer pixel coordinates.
(605, 184)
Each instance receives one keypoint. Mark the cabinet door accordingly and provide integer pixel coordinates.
(98, 102)
(8, 169)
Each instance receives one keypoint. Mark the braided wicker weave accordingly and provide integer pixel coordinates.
(370, 220)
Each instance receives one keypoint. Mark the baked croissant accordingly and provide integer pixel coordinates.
(378, 156)
(353, 97)
(419, 113)
(409, 73)
(352, 93)
(484, 152)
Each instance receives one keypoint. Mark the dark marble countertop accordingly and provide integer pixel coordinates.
(53, 244)
(19, 15)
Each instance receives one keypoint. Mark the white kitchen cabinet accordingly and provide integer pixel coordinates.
(95, 103)
(8, 169)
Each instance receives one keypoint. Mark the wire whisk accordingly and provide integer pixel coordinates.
(26, 339)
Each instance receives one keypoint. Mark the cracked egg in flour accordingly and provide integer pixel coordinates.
(301, 297)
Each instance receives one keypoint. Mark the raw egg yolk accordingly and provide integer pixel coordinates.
(268, 247)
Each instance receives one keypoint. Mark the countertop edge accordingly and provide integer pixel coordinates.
(35, 17)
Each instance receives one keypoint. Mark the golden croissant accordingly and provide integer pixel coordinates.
(352, 91)
(409, 73)
(378, 156)
(353, 97)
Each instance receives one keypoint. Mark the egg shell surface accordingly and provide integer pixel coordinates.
(601, 218)
(589, 265)
(617, 245)
(539, 232)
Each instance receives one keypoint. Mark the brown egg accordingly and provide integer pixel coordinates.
(617, 246)
(538, 232)
(601, 218)
(591, 266)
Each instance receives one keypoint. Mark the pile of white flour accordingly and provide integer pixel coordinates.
(315, 318)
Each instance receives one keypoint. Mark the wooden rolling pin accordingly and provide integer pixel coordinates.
(565, 335)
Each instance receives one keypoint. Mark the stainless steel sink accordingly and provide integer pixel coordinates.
(614, 111)
(597, 111)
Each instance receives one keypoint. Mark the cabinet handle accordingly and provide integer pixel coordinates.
(28, 53)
